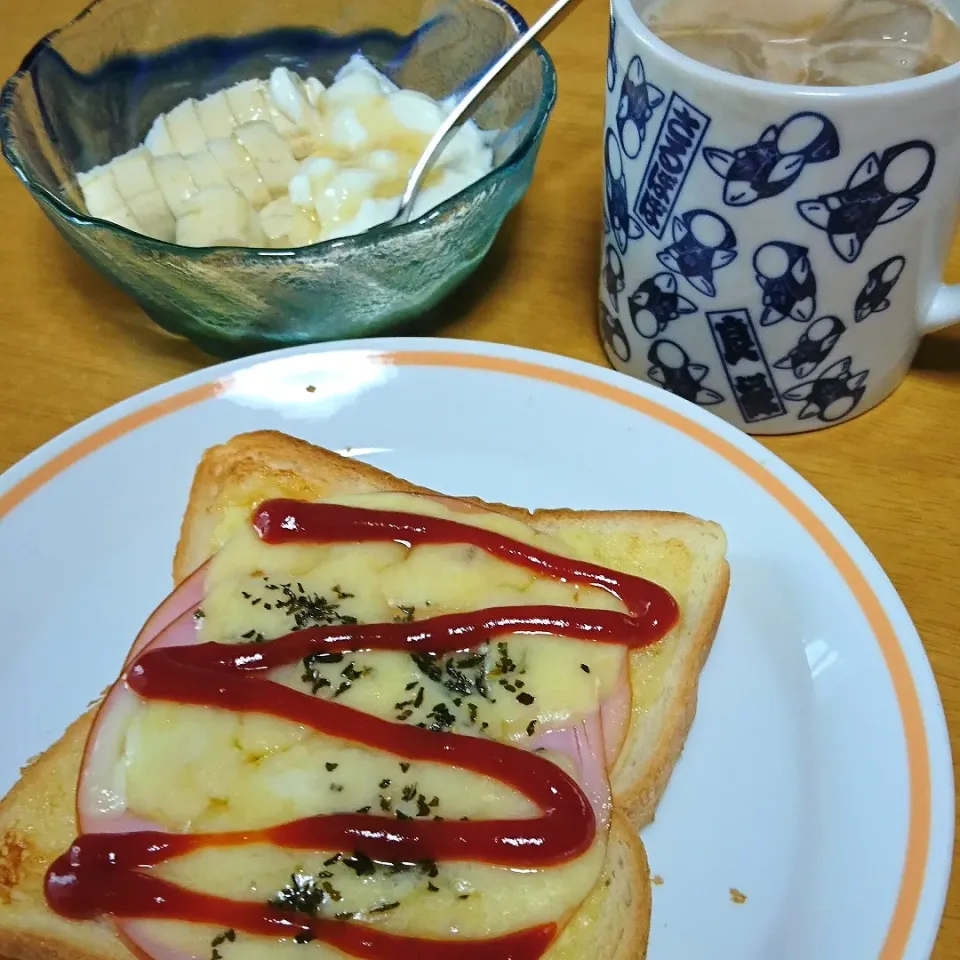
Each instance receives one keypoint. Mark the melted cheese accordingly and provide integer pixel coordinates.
(202, 769)
(472, 900)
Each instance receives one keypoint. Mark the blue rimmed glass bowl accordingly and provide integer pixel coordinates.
(90, 91)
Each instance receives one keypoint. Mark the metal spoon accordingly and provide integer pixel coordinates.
(463, 109)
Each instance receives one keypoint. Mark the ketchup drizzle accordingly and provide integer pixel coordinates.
(297, 521)
(110, 873)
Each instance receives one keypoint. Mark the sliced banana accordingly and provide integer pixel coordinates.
(270, 154)
(175, 182)
(247, 101)
(123, 217)
(240, 170)
(288, 225)
(293, 114)
(158, 141)
(205, 170)
(153, 215)
(133, 173)
(289, 95)
(215, 116)
(100, 192)
(185, 128)
(220, 216)
(291, 160)
(315, 90)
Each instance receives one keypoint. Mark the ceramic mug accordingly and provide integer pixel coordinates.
(771, 252)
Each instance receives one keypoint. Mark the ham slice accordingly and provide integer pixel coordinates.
(592, 744)
(185, 598)
(583, 743)
(101, 807)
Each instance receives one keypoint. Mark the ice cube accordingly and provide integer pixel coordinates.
(759, 17)
(857, 64)
(732, 50)
(878, 41)
(889, 21)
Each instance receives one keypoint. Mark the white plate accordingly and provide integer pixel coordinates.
(817, 778)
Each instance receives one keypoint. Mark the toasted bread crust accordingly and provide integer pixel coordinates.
(37, 818)
(37, 824)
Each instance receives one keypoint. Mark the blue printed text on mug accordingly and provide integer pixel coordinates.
(678, 141)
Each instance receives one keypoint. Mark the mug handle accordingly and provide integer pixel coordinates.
(944, 310)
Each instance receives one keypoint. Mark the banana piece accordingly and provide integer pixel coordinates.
(133, 173)
(205, 170)
(315, 90)
(289, 95)
(158, 141)
(288, 225)
(220, 216)
(247, 101)
(215, 116)
(103, 200)
(270, 154)
(175, 182)
(123, 216)
(239, 148)
(240, 170)
(292, 112)
(100, 193)
(185, 128)
(152, 213)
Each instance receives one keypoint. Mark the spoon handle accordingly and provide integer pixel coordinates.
(439, 140)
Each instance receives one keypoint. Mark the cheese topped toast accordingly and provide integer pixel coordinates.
(351, 724)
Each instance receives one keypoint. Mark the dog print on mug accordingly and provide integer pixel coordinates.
(638, 100)
(875, 295)
(703, 242)
(813, 346)
(786, 280)
(775, 161)
(882, 188)
(655, 304)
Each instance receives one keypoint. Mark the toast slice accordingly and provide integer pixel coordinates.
(685, 555)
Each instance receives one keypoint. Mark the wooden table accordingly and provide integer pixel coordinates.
(71, 345)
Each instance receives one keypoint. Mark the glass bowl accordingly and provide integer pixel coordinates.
(90, 91)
